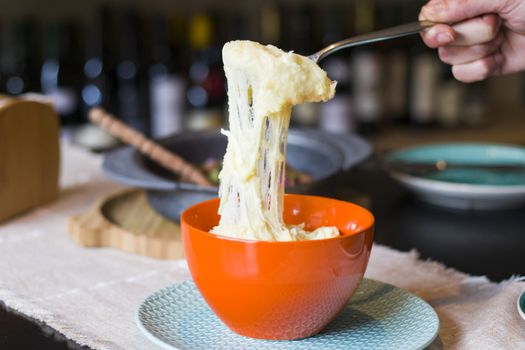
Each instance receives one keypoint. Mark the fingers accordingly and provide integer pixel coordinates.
(475, 31)
(478, 30)
(455, 55)
(479, 69)
(472, 43)
(452, 11)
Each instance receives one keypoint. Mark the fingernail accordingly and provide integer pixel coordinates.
(432, 8)
(444, 38)
(425, 12)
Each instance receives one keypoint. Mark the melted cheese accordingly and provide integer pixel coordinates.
(264, 83)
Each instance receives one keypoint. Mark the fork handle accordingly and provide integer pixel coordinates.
(158, 153)
(380, 35)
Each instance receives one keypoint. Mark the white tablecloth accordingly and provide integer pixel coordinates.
(90, 295)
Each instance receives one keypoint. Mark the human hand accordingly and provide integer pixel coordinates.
(488, 38)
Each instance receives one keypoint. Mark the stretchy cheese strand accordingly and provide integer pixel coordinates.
(264, 83)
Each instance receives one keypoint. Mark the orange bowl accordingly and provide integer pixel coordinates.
(279, 290)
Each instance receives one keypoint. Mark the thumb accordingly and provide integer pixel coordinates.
(451, 11)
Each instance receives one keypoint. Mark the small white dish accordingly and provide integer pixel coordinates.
(463, 196)
(521, 305)
(467, 188)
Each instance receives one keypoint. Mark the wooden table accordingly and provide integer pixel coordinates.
(477, 243)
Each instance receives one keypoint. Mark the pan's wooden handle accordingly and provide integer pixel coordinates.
(161, 155)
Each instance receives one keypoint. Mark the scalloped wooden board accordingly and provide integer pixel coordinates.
(125, 221)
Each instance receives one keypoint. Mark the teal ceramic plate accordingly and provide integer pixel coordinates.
(379, 316)
(466, 188)
(521, 305)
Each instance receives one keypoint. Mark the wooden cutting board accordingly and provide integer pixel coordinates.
(125, 221)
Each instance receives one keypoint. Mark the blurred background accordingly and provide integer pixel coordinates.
(156, 64)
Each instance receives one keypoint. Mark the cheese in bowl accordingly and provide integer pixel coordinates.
(270, 265)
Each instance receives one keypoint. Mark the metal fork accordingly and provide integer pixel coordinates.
(380, 35)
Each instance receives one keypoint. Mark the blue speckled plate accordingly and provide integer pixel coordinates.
(466, 188)
(379, 316)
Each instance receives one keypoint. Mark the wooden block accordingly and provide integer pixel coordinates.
(29, 155)
(125, 221)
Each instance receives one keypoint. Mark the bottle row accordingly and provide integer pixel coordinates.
(162, 73)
